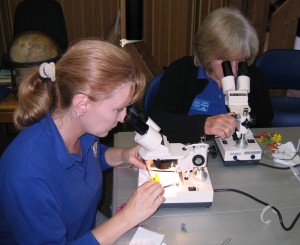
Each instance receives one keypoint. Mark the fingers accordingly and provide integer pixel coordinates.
(134, 158)
(144, 202)
(153, 188)
(222, 126)
(148, 163)
(138, 162)
(147, 198)
(154, 193)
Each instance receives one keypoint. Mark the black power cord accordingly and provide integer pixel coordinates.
(271, 166)
(282, 168)
(263, 203)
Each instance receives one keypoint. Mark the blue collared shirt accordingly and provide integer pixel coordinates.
(211, 101)
(48, 195)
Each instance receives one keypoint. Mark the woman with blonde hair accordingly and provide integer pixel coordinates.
(51, 174)
(190, 102)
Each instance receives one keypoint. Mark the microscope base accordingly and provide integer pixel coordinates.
(232, 155)
(181, 192)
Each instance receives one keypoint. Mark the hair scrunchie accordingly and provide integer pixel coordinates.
(47, 70)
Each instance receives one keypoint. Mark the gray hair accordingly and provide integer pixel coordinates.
(225, 34)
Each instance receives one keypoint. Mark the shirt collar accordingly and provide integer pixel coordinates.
(66, 159)
(201, 73)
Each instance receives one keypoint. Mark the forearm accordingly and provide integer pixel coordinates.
(115, 156)
(111, 230)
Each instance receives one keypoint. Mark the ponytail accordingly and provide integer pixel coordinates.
(35, 98)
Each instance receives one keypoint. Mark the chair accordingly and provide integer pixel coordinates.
(281, 69)
(150, 92)
(44, 16)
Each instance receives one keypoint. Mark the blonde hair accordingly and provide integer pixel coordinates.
(91, 67)
(225, 34)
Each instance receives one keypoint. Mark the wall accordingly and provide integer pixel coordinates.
(169, 25)
(283, 25)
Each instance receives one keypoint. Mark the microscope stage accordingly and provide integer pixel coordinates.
(181, 192)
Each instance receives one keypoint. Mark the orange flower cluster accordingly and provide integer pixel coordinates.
(269, 137)
(273, 139)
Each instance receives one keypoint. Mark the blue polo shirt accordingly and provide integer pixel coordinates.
(47, 195)
(211, 101)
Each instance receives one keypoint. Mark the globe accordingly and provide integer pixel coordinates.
(32, 47)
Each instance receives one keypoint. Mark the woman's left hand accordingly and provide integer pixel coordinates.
(116, 156)
(131, 155)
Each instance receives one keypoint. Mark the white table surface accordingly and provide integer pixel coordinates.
(231, 215)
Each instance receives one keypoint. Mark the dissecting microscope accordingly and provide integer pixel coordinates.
(241, 148)
(181, 169)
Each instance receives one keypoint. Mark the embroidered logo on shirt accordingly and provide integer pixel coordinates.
(95, 149)
(200, 105)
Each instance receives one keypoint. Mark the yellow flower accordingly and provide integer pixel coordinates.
(276, 138)
(156, 178)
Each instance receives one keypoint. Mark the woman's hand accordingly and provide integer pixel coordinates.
(115, 156)
(223, 125)
(140, 206)
(132, 156)
(143, 202)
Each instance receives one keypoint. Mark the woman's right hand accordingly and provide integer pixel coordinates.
(141, 205)
(223, 125)
(143, 202)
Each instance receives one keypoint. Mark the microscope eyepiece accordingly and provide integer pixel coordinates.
(133, 110)
(242, 69)
(136, 122)
(227, 69)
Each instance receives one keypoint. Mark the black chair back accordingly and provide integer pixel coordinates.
(44, 16)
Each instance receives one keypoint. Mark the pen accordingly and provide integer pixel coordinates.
(148, 171)
(166, 186)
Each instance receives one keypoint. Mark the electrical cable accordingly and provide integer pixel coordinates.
(263, 203)
(271, 166)
(283, 168)
(266, 165)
